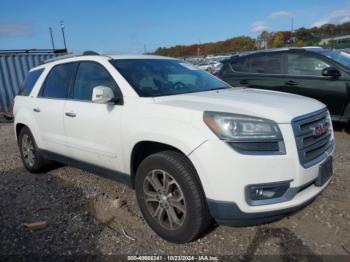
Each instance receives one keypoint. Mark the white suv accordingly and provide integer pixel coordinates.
(194, 148)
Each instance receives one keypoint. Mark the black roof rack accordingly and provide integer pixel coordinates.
(89, 52)
(86, 53)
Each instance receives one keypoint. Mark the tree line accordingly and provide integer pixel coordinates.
(300, 37)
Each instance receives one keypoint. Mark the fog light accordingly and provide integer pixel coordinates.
(260, 192)
(271, 191)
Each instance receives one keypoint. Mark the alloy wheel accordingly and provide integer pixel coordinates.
(28, 150)
(164, 199)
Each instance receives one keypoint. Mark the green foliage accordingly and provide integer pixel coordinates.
(301, 37)
(278, 40)
(236, 44)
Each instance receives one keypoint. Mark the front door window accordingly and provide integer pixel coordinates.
(301, 65)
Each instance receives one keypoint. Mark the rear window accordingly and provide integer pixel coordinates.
(29, 82)
(59, 80)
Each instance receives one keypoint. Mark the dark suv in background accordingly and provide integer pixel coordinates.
(314, 72)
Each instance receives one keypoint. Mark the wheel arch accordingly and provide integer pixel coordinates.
(143, 149)
(18, 128)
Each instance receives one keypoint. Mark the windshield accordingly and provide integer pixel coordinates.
(340, 57)
(161, 77)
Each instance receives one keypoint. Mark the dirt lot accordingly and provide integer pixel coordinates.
(82, 220)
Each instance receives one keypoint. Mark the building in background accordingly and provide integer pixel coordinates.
(337, 42)
(14, 65)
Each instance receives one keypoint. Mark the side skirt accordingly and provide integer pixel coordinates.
(104, 172)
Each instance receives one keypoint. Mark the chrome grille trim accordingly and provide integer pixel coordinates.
(312, 149)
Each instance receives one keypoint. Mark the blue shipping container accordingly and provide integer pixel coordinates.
(13, 70)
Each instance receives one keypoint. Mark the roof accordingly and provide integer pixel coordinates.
(134, 56)
(91, 55)
(275, 50)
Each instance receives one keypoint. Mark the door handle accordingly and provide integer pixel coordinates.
(36, 109)
(70, 114)
(292, 83)
(243, 82)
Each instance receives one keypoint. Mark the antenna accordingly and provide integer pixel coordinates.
(64, 37)
(52, 42)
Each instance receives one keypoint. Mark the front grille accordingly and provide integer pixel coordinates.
(313, 146)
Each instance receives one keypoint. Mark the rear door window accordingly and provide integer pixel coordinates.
(259, 64)
(266, 64)
(241, 65)
(90, 75)
(302, 65)
(59, 80)
(29, 82)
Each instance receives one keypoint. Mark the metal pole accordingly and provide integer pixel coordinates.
(291, 31)
(52, 42)
(199, 49)
(64, 37)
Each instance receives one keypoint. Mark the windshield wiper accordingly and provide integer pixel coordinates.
(192, 91)
(219, 88)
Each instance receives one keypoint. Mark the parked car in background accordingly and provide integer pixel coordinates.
(211, 67)
(314, 72)
(193, 147)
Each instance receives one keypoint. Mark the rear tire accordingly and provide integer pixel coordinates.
(171, 198)
(32, 159)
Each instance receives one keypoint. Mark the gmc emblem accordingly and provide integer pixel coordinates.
(320, 129)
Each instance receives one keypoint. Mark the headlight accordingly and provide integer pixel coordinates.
(245, 133)
(239, 127)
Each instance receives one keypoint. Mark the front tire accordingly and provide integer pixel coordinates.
(170, 197)
(33, 161)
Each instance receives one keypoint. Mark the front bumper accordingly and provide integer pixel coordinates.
(228, 213)
(225, 175)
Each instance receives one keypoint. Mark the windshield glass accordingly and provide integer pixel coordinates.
(340, 57)
(161, 77)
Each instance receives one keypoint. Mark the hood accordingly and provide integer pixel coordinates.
(277, 106)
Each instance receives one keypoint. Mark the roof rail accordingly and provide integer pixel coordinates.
(89, 52)
(70, 56)
(312, 47)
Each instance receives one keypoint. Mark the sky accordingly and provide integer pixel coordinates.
(131, 26)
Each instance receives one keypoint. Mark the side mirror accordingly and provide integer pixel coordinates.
(331, 71)
(102, 95)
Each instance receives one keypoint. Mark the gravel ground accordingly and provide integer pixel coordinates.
(78, 207)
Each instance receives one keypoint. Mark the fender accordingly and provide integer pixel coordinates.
(180, 135)
(346, 116)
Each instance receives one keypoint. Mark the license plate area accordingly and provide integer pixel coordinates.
(325, 172)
